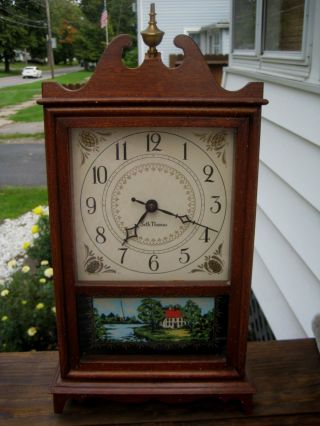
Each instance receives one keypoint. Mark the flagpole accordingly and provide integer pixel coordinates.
(107, 33)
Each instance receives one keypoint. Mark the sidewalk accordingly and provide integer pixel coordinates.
(7, 111)
(9, 127)
(13, 127)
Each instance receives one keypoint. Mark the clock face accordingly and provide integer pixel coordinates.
(152, 204)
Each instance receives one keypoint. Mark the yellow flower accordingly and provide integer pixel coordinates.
(25, 269)
(25, 245)
(44, 262)
(4, 318)
(35, 229)
(42, 281)
(40, 306)
(53, 309)
(12, 264)
(23, 302)
(32, 331)
(4, 292)
(48, 272)
(38, 210)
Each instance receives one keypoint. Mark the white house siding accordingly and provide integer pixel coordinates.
(286, 274)
(177, 17)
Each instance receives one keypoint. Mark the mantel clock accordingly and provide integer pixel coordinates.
(152, 178)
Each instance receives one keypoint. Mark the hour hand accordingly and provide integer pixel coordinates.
(132, 232)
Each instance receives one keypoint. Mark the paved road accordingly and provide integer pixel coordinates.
(17, 79)
(22, 165)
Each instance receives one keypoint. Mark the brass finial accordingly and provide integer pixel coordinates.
(152, 36)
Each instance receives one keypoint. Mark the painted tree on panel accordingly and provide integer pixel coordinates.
(150, 312)
(192, 314)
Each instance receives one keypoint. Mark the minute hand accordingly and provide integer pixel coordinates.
(185, 219)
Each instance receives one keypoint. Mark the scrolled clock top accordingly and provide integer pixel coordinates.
(152, 82)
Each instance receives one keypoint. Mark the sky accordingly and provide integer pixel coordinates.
(130, 304)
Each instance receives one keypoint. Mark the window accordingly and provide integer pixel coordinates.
(283, 25)
(217, 48)
(268, 25)
(278, 40)
(244, 24)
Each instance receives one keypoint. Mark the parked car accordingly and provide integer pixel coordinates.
(33, 72)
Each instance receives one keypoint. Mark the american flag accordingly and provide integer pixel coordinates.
(104, 18)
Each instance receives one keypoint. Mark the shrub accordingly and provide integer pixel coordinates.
(27, 312)
(41, 249)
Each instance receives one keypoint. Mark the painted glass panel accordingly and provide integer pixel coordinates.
(157, 325)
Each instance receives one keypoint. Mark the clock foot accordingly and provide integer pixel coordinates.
(59, 401)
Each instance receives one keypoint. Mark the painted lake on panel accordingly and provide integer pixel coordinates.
(122, 332)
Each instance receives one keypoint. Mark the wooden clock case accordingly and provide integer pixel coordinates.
(156, 96)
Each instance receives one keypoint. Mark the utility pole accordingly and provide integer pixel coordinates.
(50, 51)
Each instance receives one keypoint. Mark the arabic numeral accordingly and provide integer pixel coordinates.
(185, 257)
(153, 141)
(121, 154)
(100, 237)
(153, 263)
(216, 204)
(100, 174)
(185, 151)
(91, 204)
(208, 172)
(205, 236)
(124, 251)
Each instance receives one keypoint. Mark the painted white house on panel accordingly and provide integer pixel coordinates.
(278, 42)
(206, 21)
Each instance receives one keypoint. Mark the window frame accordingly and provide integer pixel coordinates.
(285, 55)
(261, 56)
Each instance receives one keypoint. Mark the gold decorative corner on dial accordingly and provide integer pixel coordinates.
(94, 264)
(215, 141)
(212, 264)
(89, 142)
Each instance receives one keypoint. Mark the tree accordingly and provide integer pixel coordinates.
(12, 36)
(33, 16)
(191, 314)
(151, 312)
(122, 20)
(92, 39)
(66, 18)
(22, 26)
(204, 328)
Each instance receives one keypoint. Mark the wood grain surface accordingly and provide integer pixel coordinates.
(286, 375)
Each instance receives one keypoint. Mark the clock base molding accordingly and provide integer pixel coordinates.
(137, 392)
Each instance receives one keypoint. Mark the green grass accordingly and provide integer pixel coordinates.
(30, 114)
(9, 136)
(13, 95)
(163, 334)
(9, 74)
(15, 201)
